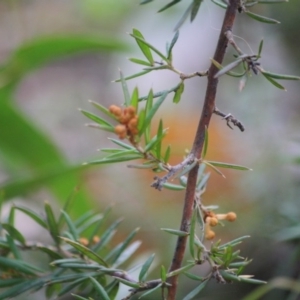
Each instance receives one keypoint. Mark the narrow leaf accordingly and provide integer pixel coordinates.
(140, 62)
(178, 93)
(234, 242)
(175, 232)
(52, 225)
(167, 154)
(163, 273)
(261, 44)
(13, 247)
(125, 90)
(184, 17)
(271, 1)
(128, 283)
(228, 166)
(214, 168)
(181, 270)
(134, 101)
(227, 68)
(116, 159)
(99, 288)
(192, 233)
(145, 268)
(33, 215)
(144, 47)
(220, 3)
(14, 233)
(86, 251)
(142, 41)
(134, 75)
(173, 187)
(274, 82)
(152, 112)
(121, 144)
(71, 225)
(205, 146)
(261, 18)
(160, 135)
(103, 109)
(170, 4)
(195, 9)
(196, 291)
(151, 291)
(173, 42)
(280, 76)
(96, 119)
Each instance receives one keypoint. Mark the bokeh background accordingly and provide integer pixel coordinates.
(56, 55)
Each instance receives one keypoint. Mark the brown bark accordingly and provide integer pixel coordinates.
(207, 111)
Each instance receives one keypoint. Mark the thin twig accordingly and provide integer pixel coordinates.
(230, 118)
(207, 111)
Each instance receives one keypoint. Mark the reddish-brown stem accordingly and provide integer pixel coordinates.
(207, 111)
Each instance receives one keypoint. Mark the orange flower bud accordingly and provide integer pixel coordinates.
(131, 110)
(231, 216)
(213, 221)
(84, 241)
(96, 239)
(210, 235)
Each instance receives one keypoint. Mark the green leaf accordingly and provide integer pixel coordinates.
(13, 247)
(181, 270)
(146, 44)
(261, 18)
(151, 291)
(112, 289)
(193, 277)
(274, 82)
(202, 181)
(71, 225)
(280, 76)
(228, 166)
(214, 168)
(140, 62)
(127, 253)
(170, 4)
(67, 207)
(103, 109)
(139, 38)
(192, 233)
(234, 242)
(121, 144)
(175, 232)
(261, 44)
(160, 135)
(98, 287)
(134, 75)
(86, 251)
(116, 159)
(173, 42)
(155, 141)
(195, 9)
(134, 101)
(128, 283)
(196, 291)
(14, 233)
(70, 287)
(145, 268)
(52, 225)
(97, 119)
(271, 1)
(141, 121)
(152, 112)
(79, 297)
(227, 68)
(173, 187)
(167, 154)
(52, 253)
(184, 17)
(125, 90)
(117, 251)
(178, 93)
(220, 3)
(148, 107)
(19, 266)
(145, 1)
(11, 281)
(163, 273)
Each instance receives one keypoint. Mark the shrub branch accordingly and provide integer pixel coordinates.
(207, 111)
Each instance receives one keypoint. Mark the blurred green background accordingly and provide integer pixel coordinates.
(56, 55)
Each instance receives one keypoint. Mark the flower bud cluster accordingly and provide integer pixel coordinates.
(128, 121)
(211, 219)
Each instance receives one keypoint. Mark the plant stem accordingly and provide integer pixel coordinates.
(207, 111)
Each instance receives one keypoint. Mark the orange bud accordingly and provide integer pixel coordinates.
(213, 221)
(131, 110)
(210, 235)
(96, 239)
(231, 216)
(84, 241)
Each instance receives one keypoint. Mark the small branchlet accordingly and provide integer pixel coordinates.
(230, 119)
